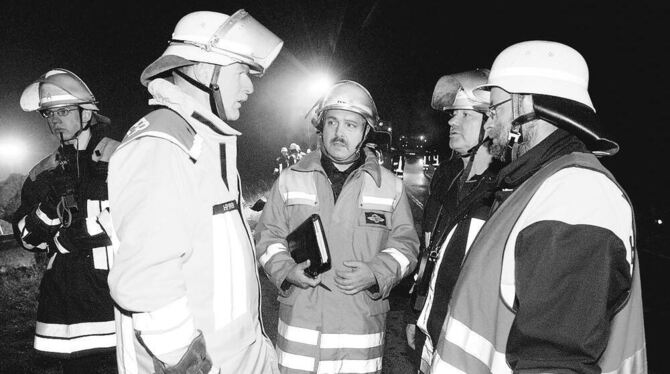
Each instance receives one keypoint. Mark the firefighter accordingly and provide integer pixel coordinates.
(295, 154)
(335, 323)
(282, 162)
(551, 284)
(185, 271)
(63, 202)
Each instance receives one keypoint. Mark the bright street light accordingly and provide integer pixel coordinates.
(12, 151)
(320, 83)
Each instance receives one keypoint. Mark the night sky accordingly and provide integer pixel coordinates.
(397, 49)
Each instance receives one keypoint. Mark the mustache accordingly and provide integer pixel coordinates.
(339, 140)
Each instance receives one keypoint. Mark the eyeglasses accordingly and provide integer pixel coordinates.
(492, 113)
(61, 112)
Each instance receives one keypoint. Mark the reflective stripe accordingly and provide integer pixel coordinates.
(126, 356)
(44, 218)
(440, 366)
(74, 345)
(402, 260)
(52, 98)
(542, 73)
(92, 226)
(350, 366)
(272, 250)
(76, 330)
(351, 340)
(476, 345)
(51, 260)
(299, 195)
(297, 362)
(100, 258)
(24, 232)
(168, 328)
(426, 356)
(635, 364)
(475, 225)
(59, 246)
(373, 200)
(297, 334)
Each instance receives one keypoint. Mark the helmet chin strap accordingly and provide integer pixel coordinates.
(215, 101)
(515, 136)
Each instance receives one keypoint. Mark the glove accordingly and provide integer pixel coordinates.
(194, 361)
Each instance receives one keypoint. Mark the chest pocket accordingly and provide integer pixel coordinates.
(298, 190)
(376, 206)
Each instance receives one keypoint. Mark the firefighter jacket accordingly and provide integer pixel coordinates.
(551, 282)
(185, 261)
(75, 314)
(328, 331)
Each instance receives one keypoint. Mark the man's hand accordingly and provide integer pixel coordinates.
(356, 278)
(410, 332)
(298, 277)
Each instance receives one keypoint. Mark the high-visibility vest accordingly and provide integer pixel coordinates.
(475, 333)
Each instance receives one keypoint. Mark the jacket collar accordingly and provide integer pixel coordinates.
(167, 94)
(312, 162)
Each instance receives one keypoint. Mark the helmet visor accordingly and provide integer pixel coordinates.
(247, 40)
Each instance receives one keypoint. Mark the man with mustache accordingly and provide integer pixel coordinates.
(551, 283)
(335, 322)
(63, 201)
(185, 272)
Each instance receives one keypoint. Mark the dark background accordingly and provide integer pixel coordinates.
(397, 49)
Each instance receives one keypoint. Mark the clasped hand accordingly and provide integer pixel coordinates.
(355, 277)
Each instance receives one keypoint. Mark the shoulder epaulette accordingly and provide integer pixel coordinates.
(168, 125)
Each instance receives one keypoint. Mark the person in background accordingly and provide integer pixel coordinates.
(63, 202)
(185, 272)
(295, 154)
(336, 322)
(282, 162)
(551, 284)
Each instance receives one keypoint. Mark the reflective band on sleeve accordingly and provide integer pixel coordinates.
(178, 337)
(298, 334)
(402, 260)
(44, 218)
(72, 331)
(74, 345)
(167, 317)
(350, 366)
(476, 345)
(59, 246)
(272, 250)
(351, 340)
(297, 362)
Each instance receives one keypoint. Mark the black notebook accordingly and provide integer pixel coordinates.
(308, 242)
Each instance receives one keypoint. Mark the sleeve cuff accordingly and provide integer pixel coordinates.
(168, 329)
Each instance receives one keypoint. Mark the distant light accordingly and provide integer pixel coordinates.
(422, 137)
(320, 83)
(389, 129)
(12, 150)
(659, 221)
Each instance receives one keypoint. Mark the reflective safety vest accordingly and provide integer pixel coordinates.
(475, 333)
(323, 331)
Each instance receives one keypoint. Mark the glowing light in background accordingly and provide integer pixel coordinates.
(319, 83)
(12, 151)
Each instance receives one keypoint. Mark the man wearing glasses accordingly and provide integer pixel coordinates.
(551, 283)
(63, 201)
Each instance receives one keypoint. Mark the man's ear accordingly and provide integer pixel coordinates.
(86, 115)
(202, 72)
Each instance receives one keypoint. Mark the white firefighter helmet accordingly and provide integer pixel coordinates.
(540, 67)
(350, 96)
(455, 91)
(283, 149)
(57, 88)
(293, 147)
(219, 39)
